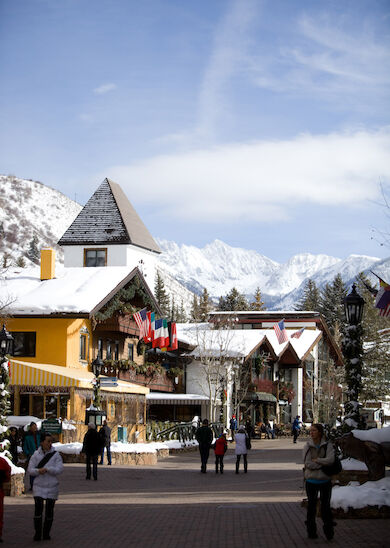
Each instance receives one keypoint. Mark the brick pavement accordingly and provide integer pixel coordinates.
(172, 505)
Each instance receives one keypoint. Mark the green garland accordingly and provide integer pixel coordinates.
(121, 301)
(4, 396)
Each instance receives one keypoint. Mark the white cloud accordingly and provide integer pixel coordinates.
(261, 181)
(104, 88)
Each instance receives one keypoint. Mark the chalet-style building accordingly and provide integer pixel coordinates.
(63, 317)
(285, 379)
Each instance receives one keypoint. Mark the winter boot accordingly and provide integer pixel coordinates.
(38, 528)
(216, 468)
(46, 529)
(311, 530)
(328, 531)
(237, 465)
(221, 468)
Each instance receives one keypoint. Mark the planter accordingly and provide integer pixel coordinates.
(15, 487)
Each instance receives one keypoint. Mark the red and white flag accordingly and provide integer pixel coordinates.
(143, 321)
(173, 344)
(298, 333)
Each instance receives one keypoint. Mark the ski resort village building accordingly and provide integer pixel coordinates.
(63, 317)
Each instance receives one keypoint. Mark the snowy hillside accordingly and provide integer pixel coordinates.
(28, 209)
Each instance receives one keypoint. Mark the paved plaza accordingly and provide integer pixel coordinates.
(174, 505)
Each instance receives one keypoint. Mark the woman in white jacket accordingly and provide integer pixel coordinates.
(241, 448)
(45, 464)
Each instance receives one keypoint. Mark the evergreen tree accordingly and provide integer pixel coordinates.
(21, 262)
(257, 304)
(311, 297)
(234, 300)
(181, 314)
(4, 399)
(332, 306)
(195, 309)
(33, 251)
(161, 295)
(376, 364)
(204, 306)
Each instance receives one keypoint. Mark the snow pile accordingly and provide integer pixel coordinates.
(377, 435)
(372, 493)
(353, 464)
(120, 447)
(14, 469)
(23, 421)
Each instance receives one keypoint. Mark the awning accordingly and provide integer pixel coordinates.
(38, 374)
(160, 398)
(261, 396)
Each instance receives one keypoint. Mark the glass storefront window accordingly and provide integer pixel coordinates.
(50, 406)
(24, 404)
(37, 407)
(64, 406)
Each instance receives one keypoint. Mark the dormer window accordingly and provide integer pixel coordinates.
(95, 257)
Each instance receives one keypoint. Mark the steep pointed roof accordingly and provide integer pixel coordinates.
(109, 218)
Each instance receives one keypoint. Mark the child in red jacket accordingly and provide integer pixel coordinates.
(220, 450)
(5, 475)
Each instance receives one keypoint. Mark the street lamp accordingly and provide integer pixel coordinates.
(97, 366)
(353, 306)
(353, 353)
(6, 342)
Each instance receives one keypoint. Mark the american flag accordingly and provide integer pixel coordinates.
(298, 333)
(280, 331)
(143, 322)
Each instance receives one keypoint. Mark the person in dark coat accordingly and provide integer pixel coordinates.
(5, 476)
(296, 427)
(105, 434)
(13, 444)
(204, 436)
(31, 443)
(92, 447)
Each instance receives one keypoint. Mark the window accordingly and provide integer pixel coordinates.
(83, 346)
(116, 351)
(95, 257)
(109, 350)
(130, 351)
(24, 343)
(100, 348)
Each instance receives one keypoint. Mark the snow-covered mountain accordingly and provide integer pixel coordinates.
(29, 208)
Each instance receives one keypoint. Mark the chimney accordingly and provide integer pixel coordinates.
(48, 263)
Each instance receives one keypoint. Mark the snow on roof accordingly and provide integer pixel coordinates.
(241, 342)
(73, 290)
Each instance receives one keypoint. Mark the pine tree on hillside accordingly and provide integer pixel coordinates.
(204, 306)
(311, 297)
(161, 295)
(332, 305)
(21, 262)
(376, 364)
(195, 309)
(257, 303)
(181, 314)
(234, 300)
(33, 251)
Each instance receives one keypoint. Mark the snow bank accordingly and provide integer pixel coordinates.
(353, 464)
(120, 447)
(378, 435)
(14, 469)
(372, 493)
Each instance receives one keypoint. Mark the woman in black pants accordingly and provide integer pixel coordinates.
(317, 453)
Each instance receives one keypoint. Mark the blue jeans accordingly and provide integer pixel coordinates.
(108, 455)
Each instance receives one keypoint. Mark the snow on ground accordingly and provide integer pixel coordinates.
(371, 493)
(378, 435)
(353, 464)
(120, 447)
(14, 469)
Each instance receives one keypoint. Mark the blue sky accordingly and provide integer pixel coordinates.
(265, 124)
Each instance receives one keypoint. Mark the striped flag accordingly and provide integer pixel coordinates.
(298, 333)
(281, 333)
(160, 335)
(143, 322)
(172, 336)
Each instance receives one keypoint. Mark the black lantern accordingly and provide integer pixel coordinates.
(97, 365)
(6, 342)
(353, 306)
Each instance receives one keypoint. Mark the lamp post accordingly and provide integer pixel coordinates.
(6, 347)
(97, 366)
(353, 352)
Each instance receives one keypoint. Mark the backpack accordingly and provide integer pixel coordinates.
(334, 468)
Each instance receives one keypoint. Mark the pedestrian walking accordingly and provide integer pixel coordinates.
(5, 476)
(204, 436)
(92, 448)
(220, 450)
(45, 465)
(242, 443)
(31, 443)
(317, 453)
(195, 425)
(296, 427)
(105, 434)
(13, 444)
(248, 427)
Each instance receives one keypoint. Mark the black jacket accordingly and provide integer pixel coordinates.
(105, 434)
(92, 444)
(204, 435)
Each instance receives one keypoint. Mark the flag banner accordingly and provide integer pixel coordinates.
(383, 298)
(382, 283)
(160, 338)
(281, 333)
(142, 320)
(148, 334)
(298, 333)
(384, 312)
(173, 345)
